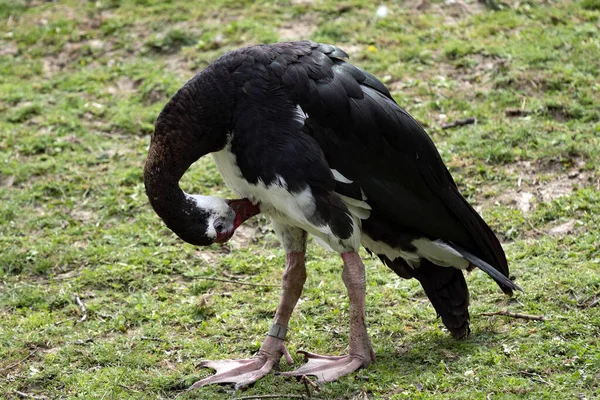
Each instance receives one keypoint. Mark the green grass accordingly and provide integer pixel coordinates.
(80, 87)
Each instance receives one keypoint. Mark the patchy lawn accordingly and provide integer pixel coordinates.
(99, 300)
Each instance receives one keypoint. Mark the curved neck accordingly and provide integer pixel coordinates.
(166, 163)
(193, 123)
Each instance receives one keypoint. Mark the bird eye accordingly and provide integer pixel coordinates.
(219, 226)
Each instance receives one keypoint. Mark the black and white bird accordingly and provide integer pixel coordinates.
(321, 147)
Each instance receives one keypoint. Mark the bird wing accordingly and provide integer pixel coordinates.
(373, 142)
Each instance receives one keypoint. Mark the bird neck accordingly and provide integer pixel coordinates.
(167, 161)
(192, 124)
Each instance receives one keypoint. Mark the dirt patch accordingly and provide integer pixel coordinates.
(243, 237)
(179, 65)
(299, 29)
(480, 74)
(352, 49)
(210, 257)
(71, 52)
(472, 77)
(452, 10)
(537, 182)
(559, 113)
(533, 82)
(83, 215)
(455, 10)
(563, 228)
(9, 49)
(124, 86)
(7, 182)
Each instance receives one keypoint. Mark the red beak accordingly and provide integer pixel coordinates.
(243, 209)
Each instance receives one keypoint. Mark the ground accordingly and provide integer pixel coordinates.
(99, 300)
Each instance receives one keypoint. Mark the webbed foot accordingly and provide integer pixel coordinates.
(246, 371)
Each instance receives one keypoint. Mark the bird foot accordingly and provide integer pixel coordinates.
(239, 372)
(245, 372)
(329, 368)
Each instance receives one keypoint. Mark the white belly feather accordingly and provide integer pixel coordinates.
(296, 208)
(290, 208)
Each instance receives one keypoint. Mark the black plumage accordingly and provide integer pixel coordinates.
(322, 147)
(364, 134)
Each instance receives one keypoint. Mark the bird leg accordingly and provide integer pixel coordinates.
(330, 368)
(247, 371)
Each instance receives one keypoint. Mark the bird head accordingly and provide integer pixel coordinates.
(214, 220)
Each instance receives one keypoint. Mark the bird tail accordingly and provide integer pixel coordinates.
(496, 275)
(445, 287)
(491, 258)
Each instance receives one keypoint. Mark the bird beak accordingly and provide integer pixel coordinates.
(244, 209)
(224, 237)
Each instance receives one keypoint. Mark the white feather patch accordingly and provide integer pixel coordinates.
(440, 253)
(277, 202)
(339, 177)
(390, 252)
(300, 115)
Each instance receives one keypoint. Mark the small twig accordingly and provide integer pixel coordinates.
(446, 367)
(28, 396)
(83, 342)
(306, 386)
(235, 277)
(81, 308)
(590, 302)
(128, 388)
(151, 338)
(516, 112)
(594, 303)
(515, 315)
(535, 377)
(307, 381)
(18, 362)
(102, 315)
(460, 122)
(534, 228)
(68, 275)
(272, 396)
(230, 281)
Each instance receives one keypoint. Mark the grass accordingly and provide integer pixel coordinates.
(80, 87)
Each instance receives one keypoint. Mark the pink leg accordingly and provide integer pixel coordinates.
(247, 371)
(330, 368)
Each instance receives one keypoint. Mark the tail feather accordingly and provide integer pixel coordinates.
(485, 242)
(505, 284)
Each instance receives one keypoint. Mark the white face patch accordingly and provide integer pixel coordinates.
(216, 208)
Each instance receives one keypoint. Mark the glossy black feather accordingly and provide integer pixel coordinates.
(375, 143)
(353, 126)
